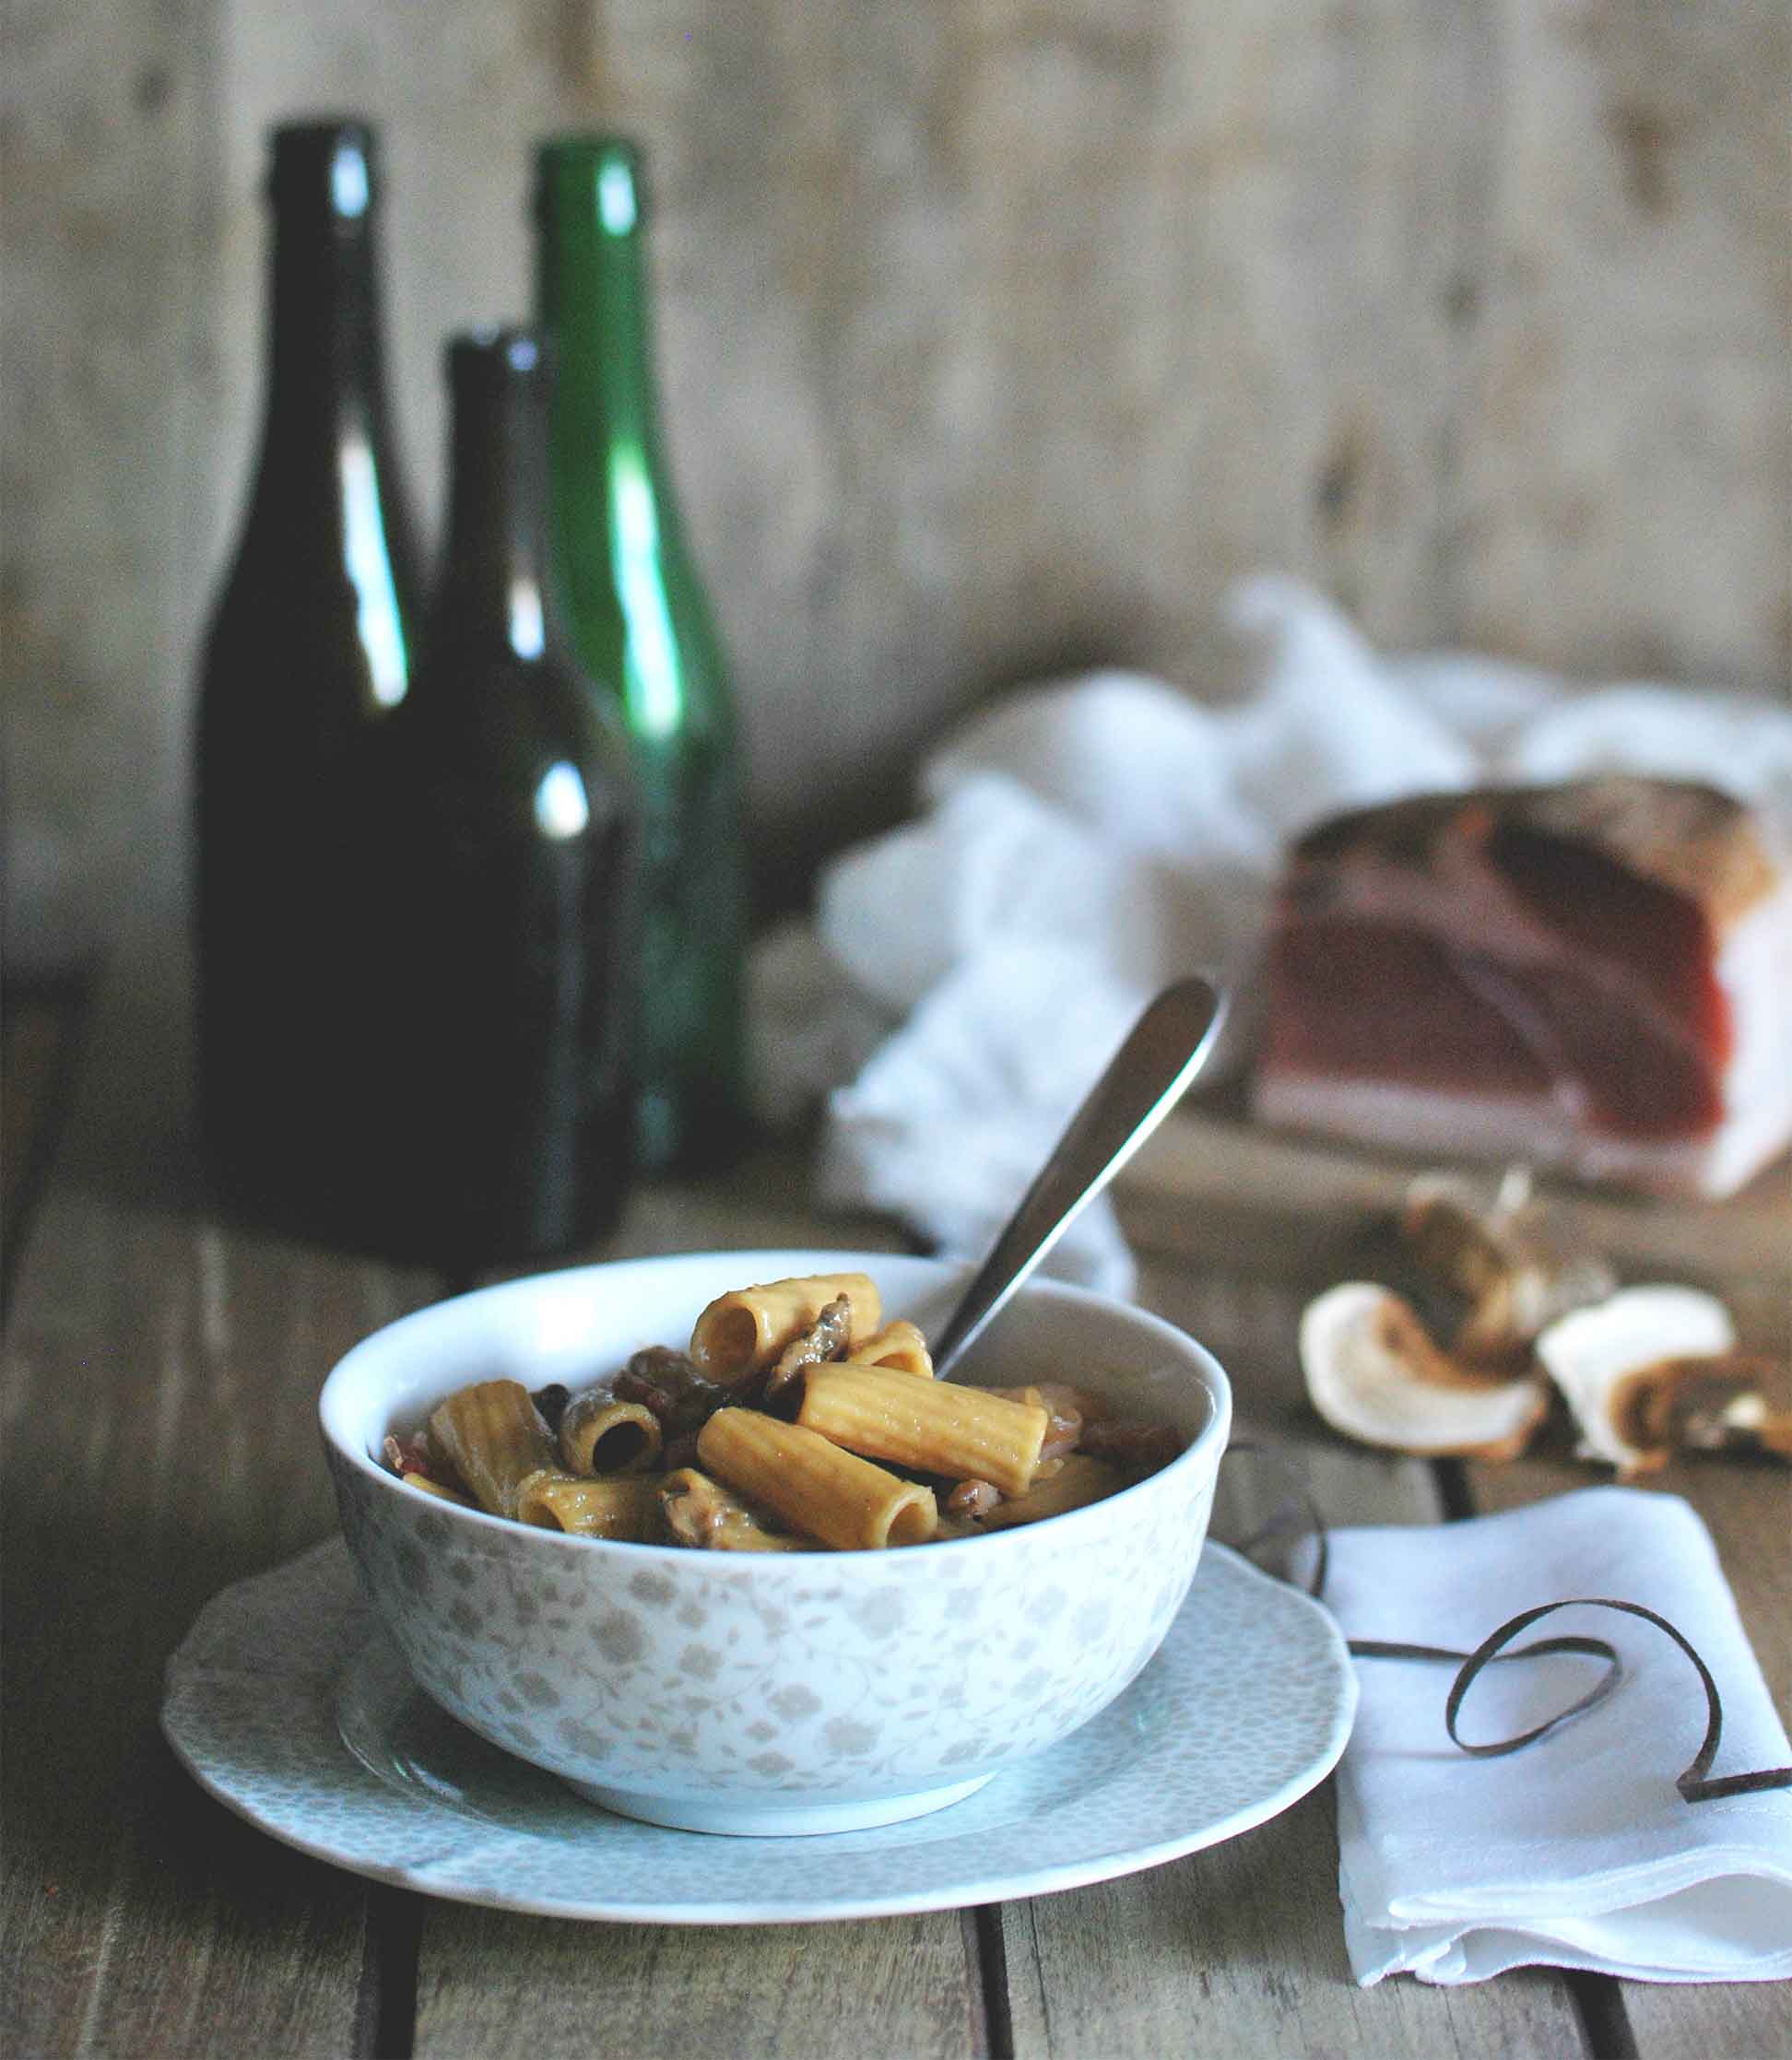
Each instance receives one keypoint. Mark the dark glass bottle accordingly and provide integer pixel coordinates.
(504, 1004)
(640, 618)
(309, 654)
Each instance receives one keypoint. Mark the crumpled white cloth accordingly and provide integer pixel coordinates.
(1083, 842)
(1576, 1851)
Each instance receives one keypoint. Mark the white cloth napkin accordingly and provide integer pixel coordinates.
(1083, 842)
(1576, 1851)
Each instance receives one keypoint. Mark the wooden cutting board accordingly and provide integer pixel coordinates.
(1221, 1189)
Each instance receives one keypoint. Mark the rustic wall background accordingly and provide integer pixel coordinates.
(997, 335)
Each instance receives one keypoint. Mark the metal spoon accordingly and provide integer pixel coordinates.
(1164, 1049)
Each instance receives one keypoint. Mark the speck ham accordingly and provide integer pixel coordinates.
(1594, 976)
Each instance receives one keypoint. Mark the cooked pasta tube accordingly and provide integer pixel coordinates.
(898, 1346)
(599, 1434)
(813, 1485)
(1078, 1479)
(701, 1511)
(617, 1505)
(1061, 1398)
(936, 1427)
(491, 1433)
(437, 1488)
(1064, 1407)
(744, 1331)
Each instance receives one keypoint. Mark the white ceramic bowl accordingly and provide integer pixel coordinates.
(769, 1692)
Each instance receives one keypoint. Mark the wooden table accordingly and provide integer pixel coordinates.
(161, 1372)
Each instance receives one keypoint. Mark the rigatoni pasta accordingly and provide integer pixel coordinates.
(798, 1420)
(814, 1485)
(701, 1511)
(935, 1426)
(1062, 1484)
(493, 1437)
(426, 1484)
(742, 1332)
(601, 1434)
(900, 1345)
(618, 1506)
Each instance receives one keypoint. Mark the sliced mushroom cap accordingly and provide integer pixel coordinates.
(1619, 1362)
(1373, 1373)
(1728, 1401)
(1511, 1259)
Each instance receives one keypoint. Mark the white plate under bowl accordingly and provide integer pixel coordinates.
(286, 1702)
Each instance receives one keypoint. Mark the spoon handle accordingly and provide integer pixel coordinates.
(1163, 1051)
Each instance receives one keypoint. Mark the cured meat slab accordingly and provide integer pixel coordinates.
(1594, 976)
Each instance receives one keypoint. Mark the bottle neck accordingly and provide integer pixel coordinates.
(593, 295)
(494, 583)
(327, 330)
(328, 361)
(323, 346)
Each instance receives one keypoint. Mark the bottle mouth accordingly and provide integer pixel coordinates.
(605, 172)
(497, 353)
(331, 165)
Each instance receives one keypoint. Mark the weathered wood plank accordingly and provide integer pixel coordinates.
(765, 1201)
(1741, 2020)
(161, 1369)
(102, 326)
(1239, 1949)
(1749, 1511)
(998, 337)
(1209, 1179)
(160, 1377)
(36, 1039)
(1166, 267)
(1625, 450)
(502, 1988)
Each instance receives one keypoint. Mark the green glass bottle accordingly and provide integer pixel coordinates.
(638, 616)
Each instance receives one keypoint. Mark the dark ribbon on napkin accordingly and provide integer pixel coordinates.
(1697, 1784)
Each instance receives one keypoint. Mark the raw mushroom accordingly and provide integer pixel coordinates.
(1511, 1262)
(1730, 1401)
(1653, 1369)
(1375, 1374)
